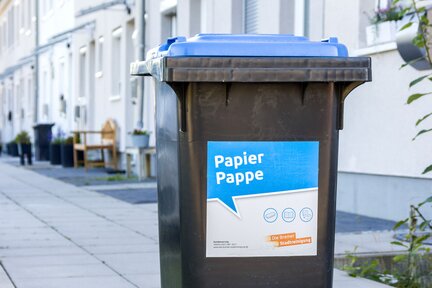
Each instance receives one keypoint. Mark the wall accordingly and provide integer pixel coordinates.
(15, 88)
(380, 166)
(55, 63)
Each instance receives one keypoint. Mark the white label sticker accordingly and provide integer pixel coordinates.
(262, 199)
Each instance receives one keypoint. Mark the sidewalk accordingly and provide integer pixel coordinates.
(56, 235)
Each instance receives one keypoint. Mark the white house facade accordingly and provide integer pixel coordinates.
(86, 47)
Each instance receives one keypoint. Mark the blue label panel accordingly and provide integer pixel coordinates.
(236, 169)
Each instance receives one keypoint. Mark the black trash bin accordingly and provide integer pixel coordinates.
(42, 137)
(247, 140)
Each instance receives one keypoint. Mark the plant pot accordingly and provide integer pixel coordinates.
(13, 150)
(382, 32)
(140, 141)
(25, 151)
(55, 154)
(67, 159)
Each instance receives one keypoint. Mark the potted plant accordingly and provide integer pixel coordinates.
(55, 148)
(140, 138)
(12, 149)
(24, 147)
(67, 159)
(385, 22)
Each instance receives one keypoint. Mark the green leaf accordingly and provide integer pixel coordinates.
(420, 239)
(399, 258)
(416, 96)
(423, 225)
(419, 41)
(412, 62)
(422, 132)
(418, 80)
(398, 243)
(427, 170)
(428, 200)
(423, 118)
(400, 223)
(406, 26)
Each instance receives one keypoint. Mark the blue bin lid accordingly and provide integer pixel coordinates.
(250, 45)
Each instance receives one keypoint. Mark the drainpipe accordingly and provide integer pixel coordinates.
(36, 67)
(306, 24)
(141, 56)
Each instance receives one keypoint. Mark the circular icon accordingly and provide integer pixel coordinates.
(288, 215)
(270, 215)
(306, 214)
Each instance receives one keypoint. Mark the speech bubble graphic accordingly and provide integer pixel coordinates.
(242, 169)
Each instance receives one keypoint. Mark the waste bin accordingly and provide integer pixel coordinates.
(247, 140)
(42, 140)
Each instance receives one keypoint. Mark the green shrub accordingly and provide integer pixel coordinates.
(22, 138)
(68, 140)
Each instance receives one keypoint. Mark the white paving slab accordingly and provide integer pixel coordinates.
(56, 235)
(5, 282)
(342, 280)
(122, 186)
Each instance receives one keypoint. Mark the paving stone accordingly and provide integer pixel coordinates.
(51, 260)
(81, 282)
(56, 235)
(57, 271)
(137, 263)
(5, 282)
(39, 251)
(145, 280)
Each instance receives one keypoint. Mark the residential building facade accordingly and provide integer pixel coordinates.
(17, 30)
(84, 79)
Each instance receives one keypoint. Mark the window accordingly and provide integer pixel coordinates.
(17, 99)
(83, 72)
(47, 7)
(11, 25)
(10, 99)
(100, 58)
(2, 110)
(168, 10)
(23, 15)
(21, 97)
(17, 22)
(29, 14)
(1, 37)
(169, 25)
(29, 96)
(115, 62)
(173, 21)
(382, 4)
(61, 87)
(29, 18)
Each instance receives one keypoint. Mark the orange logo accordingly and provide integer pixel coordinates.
(288, 239)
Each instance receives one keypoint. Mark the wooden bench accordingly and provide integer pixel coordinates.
(108, 142)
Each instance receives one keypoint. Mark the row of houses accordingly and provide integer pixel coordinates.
(85, 48)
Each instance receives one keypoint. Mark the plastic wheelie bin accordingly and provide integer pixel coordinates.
(247, 141)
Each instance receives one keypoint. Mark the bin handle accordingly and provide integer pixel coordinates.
(346, 89)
